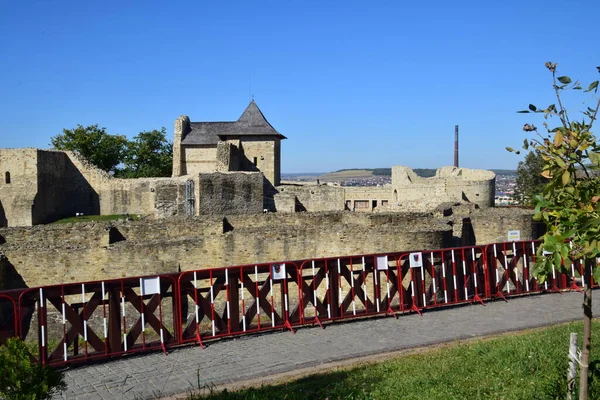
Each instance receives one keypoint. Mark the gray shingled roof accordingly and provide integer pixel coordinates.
(252, 122)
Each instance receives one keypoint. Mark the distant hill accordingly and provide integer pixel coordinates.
(285, 175)
(361, 173)
(423, 172)
(504, 171)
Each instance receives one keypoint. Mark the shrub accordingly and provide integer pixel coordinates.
(21, 378)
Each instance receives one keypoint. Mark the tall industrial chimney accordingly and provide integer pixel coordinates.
(455, 146)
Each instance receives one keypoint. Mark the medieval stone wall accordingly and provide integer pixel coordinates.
(87, 251)
(261, 155)
(48, 185)
(49, 254)
(230, 193)
(366, 198)
(312, 198)
(198, 159)
(492, 226)
(18, 186)
(407, 192)
(449, 184)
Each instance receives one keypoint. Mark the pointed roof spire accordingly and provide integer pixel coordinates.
(252, 122)
(253, 119)
(253, 116)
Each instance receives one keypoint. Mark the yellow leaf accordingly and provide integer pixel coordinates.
(558, 138)
(566, 177)
(546, 174)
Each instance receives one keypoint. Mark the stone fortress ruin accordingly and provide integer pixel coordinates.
(219, 168)
(210, 213)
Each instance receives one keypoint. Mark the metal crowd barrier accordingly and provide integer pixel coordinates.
(348, 287)
(78, 322)
(91, 320)
(445, 277)
(236, 300)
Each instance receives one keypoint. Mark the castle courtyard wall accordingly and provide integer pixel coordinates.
(49, 254)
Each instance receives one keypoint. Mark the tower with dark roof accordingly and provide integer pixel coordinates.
(248, 144)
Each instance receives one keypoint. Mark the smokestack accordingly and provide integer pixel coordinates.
(455, 146)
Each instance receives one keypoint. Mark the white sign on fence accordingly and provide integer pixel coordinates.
(150, 285)
(416, 260)
(514, 236)
(382, 262)
(278, 271)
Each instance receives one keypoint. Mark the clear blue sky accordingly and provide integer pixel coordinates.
(350, 83)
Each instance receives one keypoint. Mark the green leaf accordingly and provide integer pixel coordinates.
(564, 80)
(510, 149)
(593, 85)
(597, 274)
(525, 144)
(523, 112)
(557, 260)
(532, 107)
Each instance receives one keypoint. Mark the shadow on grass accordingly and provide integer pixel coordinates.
(333, 385)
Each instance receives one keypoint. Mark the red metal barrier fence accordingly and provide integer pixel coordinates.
(77, 322)
(86, 321)
(447, 276)
(349, 287)
(236, 300)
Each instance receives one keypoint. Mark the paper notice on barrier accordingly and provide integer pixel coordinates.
(514, 236)
(382, 262)
(150, 285)
(416, 260)
(278, 271)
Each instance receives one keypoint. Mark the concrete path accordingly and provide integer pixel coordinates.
(260, 357)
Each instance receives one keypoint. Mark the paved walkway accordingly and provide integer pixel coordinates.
(262, 356)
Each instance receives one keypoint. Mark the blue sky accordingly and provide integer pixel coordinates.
(350, 83)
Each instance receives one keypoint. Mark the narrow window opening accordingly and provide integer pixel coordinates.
(7, 177)
(255, 161)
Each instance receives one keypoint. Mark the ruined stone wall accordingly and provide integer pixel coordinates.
(198, 159)
(492, 225)
(375, 198)
(450, 184)
(19, 167)
(223, 193)
(476, 186)
(81, 252)
(407, 193)
(314, 198)
(266, 153)
(182, 127)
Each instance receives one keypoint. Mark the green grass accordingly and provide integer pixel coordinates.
(95, 218)
(529, 365)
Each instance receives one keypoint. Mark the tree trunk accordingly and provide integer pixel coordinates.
(587, 333)
(572, 371)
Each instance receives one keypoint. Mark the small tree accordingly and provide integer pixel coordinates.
(530, 181)
(149, 154)
(570, 202)
(94, 144)
(22, 379)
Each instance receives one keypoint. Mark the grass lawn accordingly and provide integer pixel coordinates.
(530, 365)
(95, 218)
